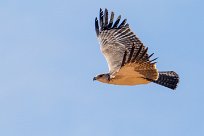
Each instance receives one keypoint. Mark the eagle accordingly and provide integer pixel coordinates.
(128, 60)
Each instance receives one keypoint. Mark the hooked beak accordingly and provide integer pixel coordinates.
(94, 78)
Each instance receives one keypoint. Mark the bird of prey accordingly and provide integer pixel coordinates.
(127, 57)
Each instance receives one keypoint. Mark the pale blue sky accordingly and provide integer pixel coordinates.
(49, 54)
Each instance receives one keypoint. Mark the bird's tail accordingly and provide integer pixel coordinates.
(168, 79)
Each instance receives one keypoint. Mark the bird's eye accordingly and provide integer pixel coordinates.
(100, 75)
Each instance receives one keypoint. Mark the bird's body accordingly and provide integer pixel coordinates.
(127, 57)
(128, 76)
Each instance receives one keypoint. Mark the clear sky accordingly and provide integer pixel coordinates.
(49, 55)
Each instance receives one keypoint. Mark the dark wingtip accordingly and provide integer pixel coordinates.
(117, 22)
(153, 60)
(123, 23)
(96, 26)
(105, 18)
(101, 19)
(111, 20)
(101, 10)
(150, 56)
(104, 23)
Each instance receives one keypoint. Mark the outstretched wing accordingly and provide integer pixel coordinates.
(143, 67)
(117, 40)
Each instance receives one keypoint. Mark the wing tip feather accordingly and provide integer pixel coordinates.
(106, 24)
(96, 26)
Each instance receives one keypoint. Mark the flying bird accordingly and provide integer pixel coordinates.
(127, 57)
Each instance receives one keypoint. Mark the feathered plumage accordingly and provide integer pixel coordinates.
(127, 57)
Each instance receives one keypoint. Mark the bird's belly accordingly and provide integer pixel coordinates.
(128, 76)
(129, 81)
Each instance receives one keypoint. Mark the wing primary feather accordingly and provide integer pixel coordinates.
(96, 27)
(136, 55)
(117, 22)
(153, 60)
(143, 54)
(101, 19)
(111, 20)
(150, 56)
(127, 25)
(106, 18)
(123, 23)
(131, 53)
(124, 58)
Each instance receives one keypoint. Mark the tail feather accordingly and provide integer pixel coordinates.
(168, 79)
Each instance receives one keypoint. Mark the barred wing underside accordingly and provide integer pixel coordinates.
(122, 48)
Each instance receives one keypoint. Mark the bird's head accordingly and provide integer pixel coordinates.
(102, 78)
